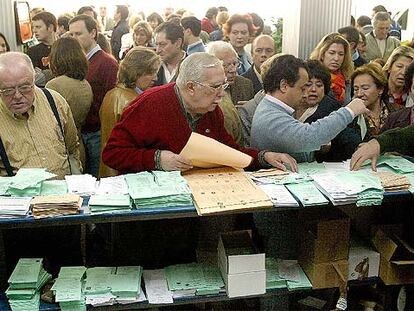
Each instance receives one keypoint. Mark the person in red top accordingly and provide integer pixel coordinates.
(102, 73)
(208, 23)
(157, 125)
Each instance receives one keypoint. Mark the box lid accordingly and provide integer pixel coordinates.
(392, 247)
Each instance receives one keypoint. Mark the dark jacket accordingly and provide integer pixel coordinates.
(120, 29)
(241, 90)
(400, 118)
(252, 76)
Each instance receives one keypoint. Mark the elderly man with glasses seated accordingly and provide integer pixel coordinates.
(29, 130)
(156, 126)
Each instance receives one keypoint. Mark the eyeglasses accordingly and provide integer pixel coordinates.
(235, 64)
(216, 88)
(11, 91)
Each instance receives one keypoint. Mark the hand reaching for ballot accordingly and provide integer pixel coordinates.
(174, 162)
(358, 106)
(369, 150)
(280, 160)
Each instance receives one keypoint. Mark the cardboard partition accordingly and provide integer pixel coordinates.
(326, 275)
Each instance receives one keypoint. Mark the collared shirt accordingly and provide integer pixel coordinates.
(278, 102)
(170, 75)
(259, 76)
(355, 55)
(35, 140)
(195, 47)
(93, 51)
(192, 121)
(381, 43)
(138, 90)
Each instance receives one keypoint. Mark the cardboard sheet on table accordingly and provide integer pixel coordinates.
(229, 189)
(206, 152)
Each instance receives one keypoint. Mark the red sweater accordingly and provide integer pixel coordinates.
(101, 76)
(155, 120)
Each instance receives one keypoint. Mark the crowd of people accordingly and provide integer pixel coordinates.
(357, 84)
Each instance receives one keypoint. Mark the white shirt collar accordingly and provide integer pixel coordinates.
(93, 51)
(278, 102)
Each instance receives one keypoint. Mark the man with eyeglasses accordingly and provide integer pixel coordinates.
(263, 47)
(240, 89)
(156, 126)
(29, 130)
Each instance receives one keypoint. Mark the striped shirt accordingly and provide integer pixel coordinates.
(36, 140)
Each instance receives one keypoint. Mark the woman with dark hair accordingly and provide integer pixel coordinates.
(334, 52)
(69, 65)
(137, 72)
(154, 19)
(4, 45)
(239, 29)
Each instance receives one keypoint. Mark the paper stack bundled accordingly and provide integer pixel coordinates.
(68, 289)
(307, 194)
(28, 182)
(126, 284)
(25, 283)
(56, 205)
(14, 207)
(158, 189)
(285, 274)
(394, 182)
(109, 203)
(97, 289)
(193, 279)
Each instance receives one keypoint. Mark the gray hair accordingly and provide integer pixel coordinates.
(11, 59)
(219, 47)
(193, 67)
(381, 17)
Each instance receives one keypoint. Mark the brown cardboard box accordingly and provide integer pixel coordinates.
(324, 236)
(397, 256)
(324, 275)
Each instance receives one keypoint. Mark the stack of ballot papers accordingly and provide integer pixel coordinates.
(112, 185)
(346, 187)
(285, 274)
(185, 280)
(25, 283)
(397, 163)
(109, 203)
(50, 187)
(279, 195)
(158, 189)
(394, 182)
(307, 193)
(81, 184)
(14, 206)
(68, 288)
(56, 205)
(110, 285)
(28, 182)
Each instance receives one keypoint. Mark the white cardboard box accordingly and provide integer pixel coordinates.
(241, 265)
(363, 263)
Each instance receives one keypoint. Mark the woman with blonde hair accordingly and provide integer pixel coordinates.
(370, 84)
(137, 72)
(334, 52)
(395, 69)
(142, 35)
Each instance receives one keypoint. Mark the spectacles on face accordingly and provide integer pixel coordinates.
(215, 88)
(235, 64)
(11, 91)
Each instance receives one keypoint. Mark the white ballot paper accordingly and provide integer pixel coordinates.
(156, 287)
(206, 152)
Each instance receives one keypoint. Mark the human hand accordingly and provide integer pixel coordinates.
(174, 162)
(357, 106)
(369, 150)
(280, 160)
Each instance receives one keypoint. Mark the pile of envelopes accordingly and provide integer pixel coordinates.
(56, 205)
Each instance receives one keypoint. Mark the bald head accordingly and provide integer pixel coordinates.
(15, 62)
(263, 47)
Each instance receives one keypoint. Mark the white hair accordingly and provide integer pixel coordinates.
(193, 67)
(220, 47)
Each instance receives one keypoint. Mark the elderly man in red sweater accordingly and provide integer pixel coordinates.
(157, 125)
